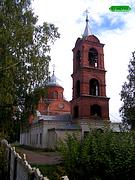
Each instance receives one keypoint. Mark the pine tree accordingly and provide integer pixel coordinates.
(128, 96)
(24, 57)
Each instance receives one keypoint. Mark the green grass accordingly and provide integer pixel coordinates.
(52, 172)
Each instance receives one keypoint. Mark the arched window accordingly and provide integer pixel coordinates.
(95, 111)
(78, 58)
(76, 112)
(93, 57)
(55, 95)
(77, 88)
(94, 87)
(61, 95)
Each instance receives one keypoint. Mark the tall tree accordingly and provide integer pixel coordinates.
(128, 96)
(24, 56)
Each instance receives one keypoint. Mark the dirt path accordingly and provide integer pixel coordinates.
(34, 157)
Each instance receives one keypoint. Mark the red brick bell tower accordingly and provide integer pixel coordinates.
(89, 101)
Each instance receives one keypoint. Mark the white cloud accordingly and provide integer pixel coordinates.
(69, 17)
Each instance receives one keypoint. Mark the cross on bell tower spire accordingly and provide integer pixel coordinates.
(53, 68)
(87, 12)
(87, 30)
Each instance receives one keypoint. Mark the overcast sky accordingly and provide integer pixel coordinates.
(114, 29)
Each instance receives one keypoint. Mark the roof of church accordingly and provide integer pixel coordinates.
(63, 117)
(70, 127)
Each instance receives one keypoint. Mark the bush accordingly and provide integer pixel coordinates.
(101, 156)
(52, 172)
(3, 163)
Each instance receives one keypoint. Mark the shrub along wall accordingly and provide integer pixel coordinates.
(100, 156)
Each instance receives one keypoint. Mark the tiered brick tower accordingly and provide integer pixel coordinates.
(89, 102)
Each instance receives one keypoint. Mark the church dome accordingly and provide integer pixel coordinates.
(53, 80)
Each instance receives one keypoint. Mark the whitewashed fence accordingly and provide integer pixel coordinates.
(18, 168)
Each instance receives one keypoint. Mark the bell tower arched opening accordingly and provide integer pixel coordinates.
(93, 57)
(95, 111)
(77, 88)
(78, 59)
(76, 112)
(94, 87)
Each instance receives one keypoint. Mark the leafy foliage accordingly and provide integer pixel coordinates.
(24, 57)
(101, 156)
(3, 163)
(128, 96)
(31, 102)
(52, 172)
